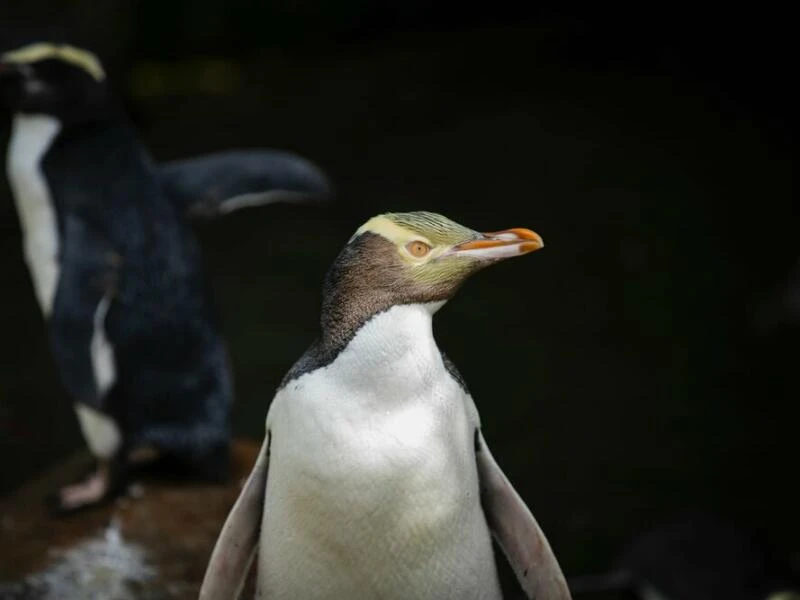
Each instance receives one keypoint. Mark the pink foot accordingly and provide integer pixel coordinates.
(91, 491)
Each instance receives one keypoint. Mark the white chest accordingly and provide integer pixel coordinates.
(372, 476)
(31, 137)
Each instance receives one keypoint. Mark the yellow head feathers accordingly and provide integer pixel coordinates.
(32, 53)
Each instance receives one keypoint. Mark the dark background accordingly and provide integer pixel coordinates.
(635, 369)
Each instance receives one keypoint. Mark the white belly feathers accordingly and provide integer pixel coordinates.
(31, 137)
(372, 478)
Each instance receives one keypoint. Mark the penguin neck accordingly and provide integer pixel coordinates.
(366, 280)
(31, 138)
(400, 325)
(366, 284)
(391, 336)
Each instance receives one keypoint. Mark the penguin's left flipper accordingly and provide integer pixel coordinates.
(85, 359)
(519, 535)
(216, 184)
(87, 284)
(236, 546)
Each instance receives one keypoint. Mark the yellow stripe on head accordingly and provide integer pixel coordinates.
(434, 229)
(383, 226)
(32, 53)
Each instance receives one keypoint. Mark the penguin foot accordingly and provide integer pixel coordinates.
(88, 491)
(93, 491)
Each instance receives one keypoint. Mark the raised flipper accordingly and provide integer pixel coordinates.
(216, 184)
(236, 546)
(517, 532)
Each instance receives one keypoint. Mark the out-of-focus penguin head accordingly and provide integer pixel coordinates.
(60, 80)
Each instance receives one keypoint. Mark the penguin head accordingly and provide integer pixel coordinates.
(54, 79)
(418, 257)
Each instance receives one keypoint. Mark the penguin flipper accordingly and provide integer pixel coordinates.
(90, 269)
(519, 535)
(216, 184)
(236, 546)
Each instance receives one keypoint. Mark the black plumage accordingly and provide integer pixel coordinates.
(124, 239)
(129, 270)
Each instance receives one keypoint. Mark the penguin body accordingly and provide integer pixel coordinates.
(384, 430)
(129, 249)
(116, 269)
(374, 480)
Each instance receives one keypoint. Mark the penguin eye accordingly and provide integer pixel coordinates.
(417, 248)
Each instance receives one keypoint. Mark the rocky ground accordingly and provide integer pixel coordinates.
(152, 545)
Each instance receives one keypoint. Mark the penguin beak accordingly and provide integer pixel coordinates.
(498, 245)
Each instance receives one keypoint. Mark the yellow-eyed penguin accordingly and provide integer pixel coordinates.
(374, 480)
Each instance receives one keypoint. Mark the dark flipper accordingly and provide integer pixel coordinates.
(216, 184)
(86, 362)
(236, 546)
(90, 269)
(517, 532)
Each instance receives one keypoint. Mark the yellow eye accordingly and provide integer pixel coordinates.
(417, 248)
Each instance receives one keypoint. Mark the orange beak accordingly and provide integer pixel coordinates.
(498, 245)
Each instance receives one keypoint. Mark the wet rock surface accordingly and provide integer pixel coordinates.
(152, 544)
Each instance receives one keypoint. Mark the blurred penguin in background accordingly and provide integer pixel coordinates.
(117, 271)
(701, 557)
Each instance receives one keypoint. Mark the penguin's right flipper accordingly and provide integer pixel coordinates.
(517, 532)
(216, 184)
(236, 546)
